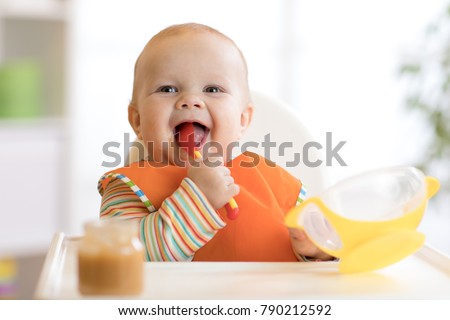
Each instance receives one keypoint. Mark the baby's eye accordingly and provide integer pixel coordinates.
(212, 89)
(167, 89)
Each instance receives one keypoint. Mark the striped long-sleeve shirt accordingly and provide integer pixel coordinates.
(180, 222)
(185, 222)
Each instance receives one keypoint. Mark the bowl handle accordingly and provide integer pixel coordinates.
(433, 186)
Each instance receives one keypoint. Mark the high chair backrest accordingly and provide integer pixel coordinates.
(278, 133)
(277, 123)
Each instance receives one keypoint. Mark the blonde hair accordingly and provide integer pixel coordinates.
(183, 28)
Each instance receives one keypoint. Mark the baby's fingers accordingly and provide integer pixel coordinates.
(213, 162)
(231, 187)
(213, 157)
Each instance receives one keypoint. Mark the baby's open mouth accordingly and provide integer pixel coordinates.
(191, 135)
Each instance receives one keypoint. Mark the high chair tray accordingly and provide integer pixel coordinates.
(424, 275)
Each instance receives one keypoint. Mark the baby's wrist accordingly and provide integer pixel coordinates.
(324, 257)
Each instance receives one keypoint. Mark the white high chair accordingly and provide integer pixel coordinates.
(275, 120)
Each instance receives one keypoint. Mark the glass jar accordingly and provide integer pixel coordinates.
(110, 259)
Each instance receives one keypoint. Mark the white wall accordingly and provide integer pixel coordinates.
(347, 79)
(335, 61)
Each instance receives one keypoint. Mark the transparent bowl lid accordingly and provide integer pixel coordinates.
(377, 195)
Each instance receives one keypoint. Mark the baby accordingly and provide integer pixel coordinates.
(194, 74)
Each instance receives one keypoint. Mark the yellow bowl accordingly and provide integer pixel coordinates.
(369, 221)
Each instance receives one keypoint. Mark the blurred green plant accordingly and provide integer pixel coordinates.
(429, 95)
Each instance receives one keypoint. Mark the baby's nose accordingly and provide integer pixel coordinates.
(190, 101)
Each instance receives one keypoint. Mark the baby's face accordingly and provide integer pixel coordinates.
(190, 77)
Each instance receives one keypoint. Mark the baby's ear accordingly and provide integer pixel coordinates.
(246, 117)
(135, 120)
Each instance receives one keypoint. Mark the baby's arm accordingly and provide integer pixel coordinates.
(185, 222)
(304, 248)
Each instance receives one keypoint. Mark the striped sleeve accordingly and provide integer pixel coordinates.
(301, 196)
(119, 201)
(184, 223)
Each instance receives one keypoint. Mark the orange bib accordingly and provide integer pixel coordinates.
(267, 192)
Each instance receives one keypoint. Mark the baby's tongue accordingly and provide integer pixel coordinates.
(190, 135)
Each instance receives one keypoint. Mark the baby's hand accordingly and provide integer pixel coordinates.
(214, 179)
(302, 245)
